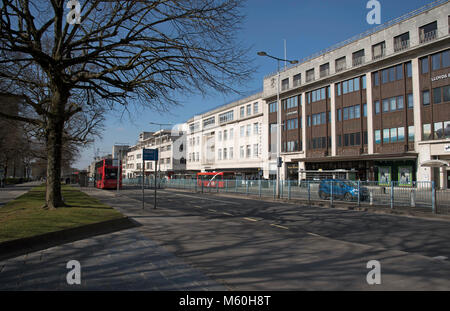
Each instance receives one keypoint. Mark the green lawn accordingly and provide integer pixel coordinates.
(25, 217)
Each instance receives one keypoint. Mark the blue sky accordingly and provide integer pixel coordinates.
(308, 26)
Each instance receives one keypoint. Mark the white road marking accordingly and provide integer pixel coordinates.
(278, 226)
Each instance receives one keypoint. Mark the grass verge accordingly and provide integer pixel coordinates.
(25, 217)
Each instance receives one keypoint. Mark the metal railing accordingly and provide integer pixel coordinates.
(402, 45)
(428, 36)
(414, 196)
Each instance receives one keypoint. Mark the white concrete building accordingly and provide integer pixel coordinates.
(231, 138)
(172, 154)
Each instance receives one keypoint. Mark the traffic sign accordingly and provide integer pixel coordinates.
(150, 154)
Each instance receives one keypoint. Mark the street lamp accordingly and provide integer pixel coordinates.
(118, 163)
(159, 153)
(293, 62)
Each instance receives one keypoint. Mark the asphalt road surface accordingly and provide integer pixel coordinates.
(248, 244)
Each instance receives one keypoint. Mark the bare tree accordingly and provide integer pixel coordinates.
(121, 52)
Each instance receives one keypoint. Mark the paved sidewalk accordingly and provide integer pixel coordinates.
(125, 260)
(11, 192)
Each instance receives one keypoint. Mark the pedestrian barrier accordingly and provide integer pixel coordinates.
(418, 195)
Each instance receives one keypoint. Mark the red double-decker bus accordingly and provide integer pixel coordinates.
(106, 174)
(215, 179)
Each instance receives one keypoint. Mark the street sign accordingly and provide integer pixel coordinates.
(150, 154)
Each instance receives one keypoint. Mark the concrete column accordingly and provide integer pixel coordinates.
(304, 122)
(416, 96)
(333, 120)
(370, 134)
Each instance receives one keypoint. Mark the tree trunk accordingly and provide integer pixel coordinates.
(55, 127)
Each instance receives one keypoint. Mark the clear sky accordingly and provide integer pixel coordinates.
(308, 26)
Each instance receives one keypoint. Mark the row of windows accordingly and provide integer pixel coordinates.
(352, 139)
(226, 117)
(440, 95)
(194, 157)
(227, 154)
(393, 135)
(318, 95)
(209, 122)
(351, 85)
(319, 143)
(225, 135)
(291, 146)
(247, 130)
(352, 112)
(317, 119)
(194, 141)
(290, 102)
(291, 124)
(394, 104)
(248, 109)
(273, 107)
(392, 74)
(438, 61)
(246, 151)
(441, 130)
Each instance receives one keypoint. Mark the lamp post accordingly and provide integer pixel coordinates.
(118, 162)
(159, 153)
(293, 62)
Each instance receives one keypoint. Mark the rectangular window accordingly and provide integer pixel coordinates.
(352, 139)
(393, 103)
(249, 110)
(350, 86)
(437, 95)
(242, 131)
(226, 117)
(242, 110)
(365, 110)
(231, 133)
(393, 135)
(409, 69)
(225, 153)
(438, 130)
(231, 155)
(249, 151)
(339, 115)
(410, 101)
(447, 129)
(346, 140)
(285, 84)
(255, 108)
(446, 91)
(357, 112)
(219, 136)
(225, 135)
(392, 75)
(400, 103)
(385, 76)
(249, 130)
(364, 82)
(255, 150)
(375, 78)
(436, 61)
(426, 98)
(446, 59)
(377, 107)
(345, 114)
(345, 87)
(386, 136)
(427, 132)
(241, 154)
(411, 133)
(385, 105)
(399, 72)
(297, 79)
(424, 65)
(255, 128)
(351, 112)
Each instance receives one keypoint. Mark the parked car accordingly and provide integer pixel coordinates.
(342, 189)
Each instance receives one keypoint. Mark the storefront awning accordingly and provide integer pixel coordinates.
(435, 163)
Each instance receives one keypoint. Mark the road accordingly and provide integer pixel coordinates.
(259, 245)
(13, 191)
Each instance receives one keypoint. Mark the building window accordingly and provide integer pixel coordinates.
(410, 99)
(365, 110)
(377, 107)
(324, 70)
(242, 131)
(341, 64)
(226, 117)
(242, 154)
(231, 133)
(428, 32)
(298, 79)
(310, 75)
(358, 58)
(386, 136)
(409, 69)
(290, 102)
(255, 108)
(442, 130)
(411, 133)
(426, 98)
(446, 93)
(375, 78)
(249, 110)
(248, 132)
(255, 150)
(255, 128)
(225, 153)
(364, 83)
(285, 84)
(219, 136)
(378, 50)
(437, 95)
(273, 107)
(219, 154)
(231, 156)
(401, 42)
(249, 151)
(424, 65)
(338, 89)
(339, 115)
(209, 122)
(242, 112)
(427, 132)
